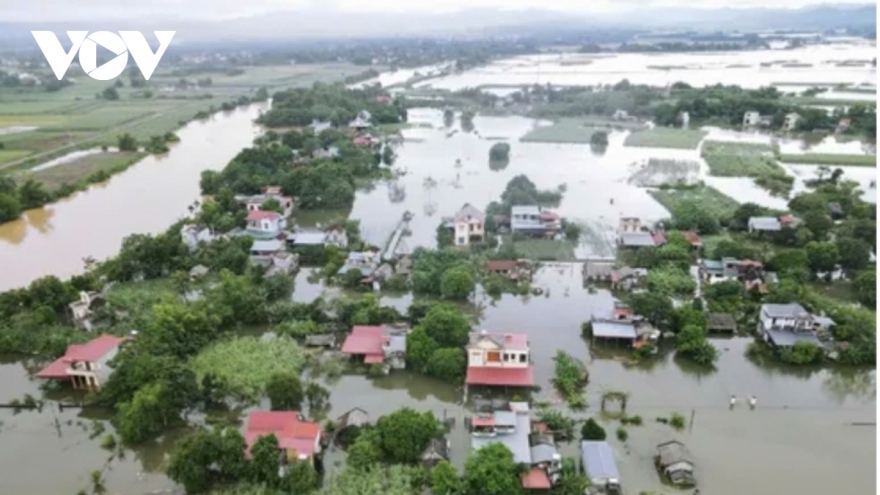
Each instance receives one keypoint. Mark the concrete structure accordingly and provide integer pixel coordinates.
(365, 262)
(496, 359)
(85, 365)
(675, 463)
(784, 325)
(298, 440)
(751, 118)
(81, 310)
(629, 224)
(532, 220)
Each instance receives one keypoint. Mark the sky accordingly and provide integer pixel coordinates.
(60, 10)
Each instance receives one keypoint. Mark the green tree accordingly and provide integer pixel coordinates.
(10, 208)
(179, 329)
(146, 415)
(690, 215)
(419, 349)
(364, 452)
(854, 254)
(865, 286)
(457, 283)
(802, 353)
(691, 342)
(110, 93)
(499, 154)
(127, 142)
(492, 471)
(447, 325)
(448, 364)
(353, 278)
(285, 392)
(445, 237)
(819, 223)
(190, 462)
(404, 434)
(445, 480)
(592, 430)
(822, 256)
(657, 308)
(32, 194)
(316, 396)
(264, 464)
(599, 141)
(299, 477)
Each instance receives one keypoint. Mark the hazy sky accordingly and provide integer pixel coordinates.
(56, 10)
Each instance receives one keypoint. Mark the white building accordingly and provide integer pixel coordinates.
(751, 118)
(469, 225)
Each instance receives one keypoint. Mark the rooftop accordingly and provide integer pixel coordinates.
(536, 479)
(525, 210)
(791, 310)
(91, 351)
(517, 441)
(673, 452)
(307, 237)
(505, 340)
(469, 212)
(764, 223)
(509, 377)
(614, 330)
(784, 338)
(500, 265)
(256, 215)
(366, 341)
(270, 245)
(598, 460)
(637, 239)
(292, 433)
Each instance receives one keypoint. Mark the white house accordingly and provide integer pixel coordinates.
(192, 235)
(533, 220)
(255, 202)
(791, 120)
(789, 317)
(265, 223)
(751, 118)
(85, 365)
(82, 310)
(469, 225)
(685, 119)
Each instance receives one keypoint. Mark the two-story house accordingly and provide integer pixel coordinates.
(532, 220)
(298, 440)
(85, 365)
(265, 224)
(469, 225)
(269, 193)
(499, 359)
(784, 325)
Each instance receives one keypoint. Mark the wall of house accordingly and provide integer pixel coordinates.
(497, 358)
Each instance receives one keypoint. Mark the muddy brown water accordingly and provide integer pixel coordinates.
(800, 439)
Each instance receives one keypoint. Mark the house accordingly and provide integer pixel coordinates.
(751, 118)
(325, 340)
(362, 121)
(265, 224)
(843, 125)
(85, 365)
(365, 262)
(198, 271)
(720, 322)
(319, 126)
(496, 359)
(326, 153)
(468, 225)
(382, 99)
(436, 452)
(675, 463)
(835, 210)
(598, 269)
(264, 249)
(714, 271)
(515, 270)
(627, 278)
(269, 193)
(693, 239)
(784, 325)
(764, 224)
(790, 122)
(629, 224)
(354, 418)
(510, 426)
(536, 479)
(298, 440)
(193, 235)
(533, 220)
(364, 140)
(636, 240)
(546, 458)
(332, 236)
(614, 331)
(685, 119)
(378, 344)
(599, 465)
(272, 255)
(81, 310)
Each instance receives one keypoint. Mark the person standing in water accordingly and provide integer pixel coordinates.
(732, 401)
(753, 401)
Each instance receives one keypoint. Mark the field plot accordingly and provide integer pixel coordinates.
(830, 159)
(657, 172)
(9, 155)
(577, 131)
(662, 137)
(86, 167)
(727, 159)
(710, 199)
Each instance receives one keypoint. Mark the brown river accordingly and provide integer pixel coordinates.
(807, 435)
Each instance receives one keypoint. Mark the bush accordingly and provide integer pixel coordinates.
(570, 379)
(108, 442)
(622, 435)
(631, 420)
(591, 430)
(676, 421)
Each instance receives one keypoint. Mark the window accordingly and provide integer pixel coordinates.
(523, 358)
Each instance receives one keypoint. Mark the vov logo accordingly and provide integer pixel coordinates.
(87, 44)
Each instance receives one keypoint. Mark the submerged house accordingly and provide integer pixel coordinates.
(436, 452)
(272, 255)
(378, 344)
(675, 463)
(81, 310)
(510, 426)
(784, 325)
(85, 365)
(600, 466)
(193, 235)
(499, 359)
(534, 221)
(298, 440)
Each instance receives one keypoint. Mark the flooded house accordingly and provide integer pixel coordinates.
(675, 463)
(436, 452)
(784, 325)
(298, 440)
(380, 344)
(365, 262)
(720, 323)
(193, 235)
(546, 463)
(81, 310)
(331, 236)
(273, 255)
(600, 466)
(499, 359)
(598, 269)
(268, 193)
(751, 273)
(755, 119)
(362, 121)
(771, 224)
(468, 225)
(510, 426)
(790, 122)
(516, 270)
(265, 224)
(85, 366)
(534, 221)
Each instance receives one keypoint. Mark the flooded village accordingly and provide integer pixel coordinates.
(438, 288)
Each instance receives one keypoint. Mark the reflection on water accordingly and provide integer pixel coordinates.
(146, 198)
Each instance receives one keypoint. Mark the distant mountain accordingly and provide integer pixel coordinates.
(326, 23)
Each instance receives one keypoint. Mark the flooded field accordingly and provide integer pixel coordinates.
(749, 69)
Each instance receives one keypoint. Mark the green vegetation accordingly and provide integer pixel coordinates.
(709, 199)
(499, 156)
(544, 249)
(622, 434)
(576, 131)
(830, 159)
(592, 430)
(88, 169)
(570, 380)
(435, 345)
(676, 421)
(663, 137)
(728, 159)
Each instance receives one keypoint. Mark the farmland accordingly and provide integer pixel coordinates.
(830, 159)
(576, 131)
(662, 137)
(710, 199)
(726, 159)
(91, 168)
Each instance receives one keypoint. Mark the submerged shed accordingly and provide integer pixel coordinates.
(720, 322)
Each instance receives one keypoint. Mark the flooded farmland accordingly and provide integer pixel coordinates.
(804, 437)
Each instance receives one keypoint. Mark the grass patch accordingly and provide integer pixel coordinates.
(830, 159)
(664, 137)
(576, 131)
(94, 168)
(545, 249)
(713, 200)
(9, 155)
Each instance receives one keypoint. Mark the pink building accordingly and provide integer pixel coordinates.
(299, 440)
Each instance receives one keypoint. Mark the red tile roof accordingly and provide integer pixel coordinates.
(659, 238)
(500, 266)
(365, 341)
(692, 238)
(292, 434)
(511, 377)
(786, 219)
(483, 421)
(536, 479)
(90, 351)
(255, 215)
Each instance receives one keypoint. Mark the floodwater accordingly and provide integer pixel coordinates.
(147, 198)
(812, 64)
(803, 438)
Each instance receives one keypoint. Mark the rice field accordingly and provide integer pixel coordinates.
(709, 198)
(830, 159)
(72, 172)
(664, 137)
(727, 159)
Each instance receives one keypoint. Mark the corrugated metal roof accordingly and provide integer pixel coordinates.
(614, 330)
(783, 338)
(598, 460)
(637, 239)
